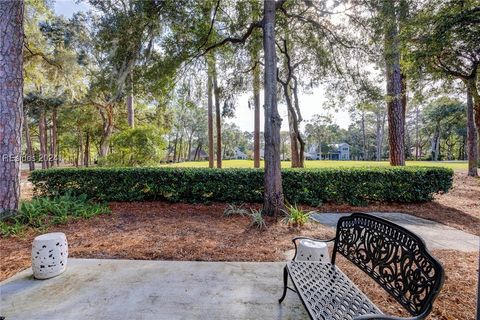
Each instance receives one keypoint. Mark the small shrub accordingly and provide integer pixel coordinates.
(40, 213)
(257, 219)
(233, 209)
(295, 216)
(11, 229)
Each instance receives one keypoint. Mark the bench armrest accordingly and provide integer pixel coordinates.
(294, 240)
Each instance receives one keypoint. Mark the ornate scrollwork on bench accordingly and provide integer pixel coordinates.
(394, 257)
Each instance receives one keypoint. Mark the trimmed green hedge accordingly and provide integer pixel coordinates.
(200, 185)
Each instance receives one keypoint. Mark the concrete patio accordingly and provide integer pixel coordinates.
(133, 289)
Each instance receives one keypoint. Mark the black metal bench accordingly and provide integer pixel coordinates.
(394, 257)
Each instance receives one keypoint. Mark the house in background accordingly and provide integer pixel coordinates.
(341, 151)
(239, 155)
(198, 155)
(337, 151)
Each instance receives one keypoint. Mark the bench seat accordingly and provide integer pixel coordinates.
(327, 293)
(395, 258)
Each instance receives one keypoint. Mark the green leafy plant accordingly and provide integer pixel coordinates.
(11, 229)
(295, 216)
(357, 186)
(257, 219)
(233, 209)
(140, 146)
(40, 213)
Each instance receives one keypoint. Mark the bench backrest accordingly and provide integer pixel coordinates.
(394, 257)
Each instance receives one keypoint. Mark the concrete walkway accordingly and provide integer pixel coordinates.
(436, 235)
(136, 289)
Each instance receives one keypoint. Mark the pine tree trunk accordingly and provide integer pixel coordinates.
(180, 147)
(45, 141)
(11, 103)
(197, 152)
(395, 86)
(175, 147)
(417, 133)
(41, 138)
(77, 156)
(130, 104)
(273, 203)
(50, 147)
(189, 148)
(28, 141)
(382, 132)
(80, 147)
(86, 157)
(218, 115)
(472, 144)
(53, 138)
(256, 103)
(364, 138)
(377, 138)
(476, 109)
(436, 143)
(210, 114)
(57, 159)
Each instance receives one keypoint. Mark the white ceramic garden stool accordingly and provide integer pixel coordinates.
(309, 250)
(49, 255)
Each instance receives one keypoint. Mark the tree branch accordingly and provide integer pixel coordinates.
(326, 31)
(234, 40)
(211, 25)
(449, 70)
(245, 36)
(42, 55)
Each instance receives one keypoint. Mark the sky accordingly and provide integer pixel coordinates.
(310, 104)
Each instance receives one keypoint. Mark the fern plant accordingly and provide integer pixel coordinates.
(40, 213)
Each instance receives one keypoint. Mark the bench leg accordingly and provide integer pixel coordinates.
(285, 282)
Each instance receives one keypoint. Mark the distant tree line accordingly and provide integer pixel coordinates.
(135, 82)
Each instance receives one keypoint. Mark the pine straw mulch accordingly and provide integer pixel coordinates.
(164, 231)
(457, 299)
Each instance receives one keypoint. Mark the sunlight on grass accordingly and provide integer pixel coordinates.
(456, 165)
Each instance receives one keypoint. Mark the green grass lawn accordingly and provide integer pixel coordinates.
(456, 165)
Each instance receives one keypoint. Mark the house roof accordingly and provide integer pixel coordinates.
(201, 153)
